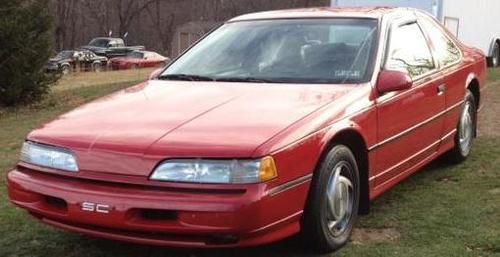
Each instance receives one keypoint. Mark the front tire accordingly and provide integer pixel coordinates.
(65, 69)
(466, 130)
(332, 207)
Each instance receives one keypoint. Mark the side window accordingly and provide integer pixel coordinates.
(445, 50)
(409, 51)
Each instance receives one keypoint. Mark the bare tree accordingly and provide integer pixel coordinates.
(164, 27)
(100, 12)
(128, 10)
(152, 23)
(65, 13)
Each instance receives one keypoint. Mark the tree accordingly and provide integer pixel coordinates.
(163, 24)
(128, 10)
(26, 35)
(66, 16)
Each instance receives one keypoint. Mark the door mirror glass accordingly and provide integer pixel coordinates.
(391, 81)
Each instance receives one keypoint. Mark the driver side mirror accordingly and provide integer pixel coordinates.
(391, 81)
(155, 74)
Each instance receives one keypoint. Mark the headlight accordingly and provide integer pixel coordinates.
(216, 171)
(48, 156)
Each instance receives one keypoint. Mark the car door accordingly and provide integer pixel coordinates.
(410, 122)
(149, 60)
(449, 57)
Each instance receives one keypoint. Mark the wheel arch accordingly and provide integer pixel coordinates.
(473, 85)
(492, 46)
(352, 138)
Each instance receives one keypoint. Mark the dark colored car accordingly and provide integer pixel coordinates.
(110, 47)
(138, 59)
(73, 60)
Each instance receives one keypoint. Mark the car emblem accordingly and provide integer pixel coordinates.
(95, 207)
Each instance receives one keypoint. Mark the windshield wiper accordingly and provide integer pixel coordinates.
(186, 77)
(247, 79)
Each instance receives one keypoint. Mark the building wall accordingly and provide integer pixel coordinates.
(431, 6)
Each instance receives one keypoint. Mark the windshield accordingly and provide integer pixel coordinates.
(135, 55)
(65, 55)
(283, 51)
(99, 42)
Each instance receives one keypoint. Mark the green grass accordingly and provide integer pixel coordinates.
(493, 75)
(441, 211)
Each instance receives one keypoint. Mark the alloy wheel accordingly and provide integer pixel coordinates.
(340, 197)
(466, 129)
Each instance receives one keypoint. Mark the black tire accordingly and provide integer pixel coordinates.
(317, 215)
(66, 69)
(494, 60)
(97, 67)
(462, 149)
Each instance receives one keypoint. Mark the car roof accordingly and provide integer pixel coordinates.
(322, 12)
(108, 38)
(144, 52)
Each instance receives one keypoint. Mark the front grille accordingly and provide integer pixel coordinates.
(56, 202)
(209, 239)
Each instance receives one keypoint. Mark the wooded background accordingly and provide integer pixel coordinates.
(152, 23)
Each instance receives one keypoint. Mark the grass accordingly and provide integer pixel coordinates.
(441, 211)
(86, 79)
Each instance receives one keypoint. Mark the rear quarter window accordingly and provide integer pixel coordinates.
(445, 49)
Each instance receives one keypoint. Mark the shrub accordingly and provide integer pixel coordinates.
(25, 47)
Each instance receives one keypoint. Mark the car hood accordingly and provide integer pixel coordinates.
(130, 131)
(58, 60)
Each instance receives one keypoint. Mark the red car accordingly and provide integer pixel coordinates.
(275, 123)
(138, 59)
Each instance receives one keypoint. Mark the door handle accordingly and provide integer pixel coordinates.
(441, 89)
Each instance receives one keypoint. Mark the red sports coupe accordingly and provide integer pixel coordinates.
(275, 123)
(138, 59)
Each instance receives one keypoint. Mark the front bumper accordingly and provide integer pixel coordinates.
(157, 215)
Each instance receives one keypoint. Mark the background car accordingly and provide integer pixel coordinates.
(138, 59)
(110, 47)
(72, 60)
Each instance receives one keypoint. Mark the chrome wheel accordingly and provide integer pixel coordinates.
(466, 129)
(496, 55)
(65, 70)
(97, 67)
(340, 197)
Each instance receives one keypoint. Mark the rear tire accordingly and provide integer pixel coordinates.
(97, 67)
(332, 206)
(466, 130)
(494, 60)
